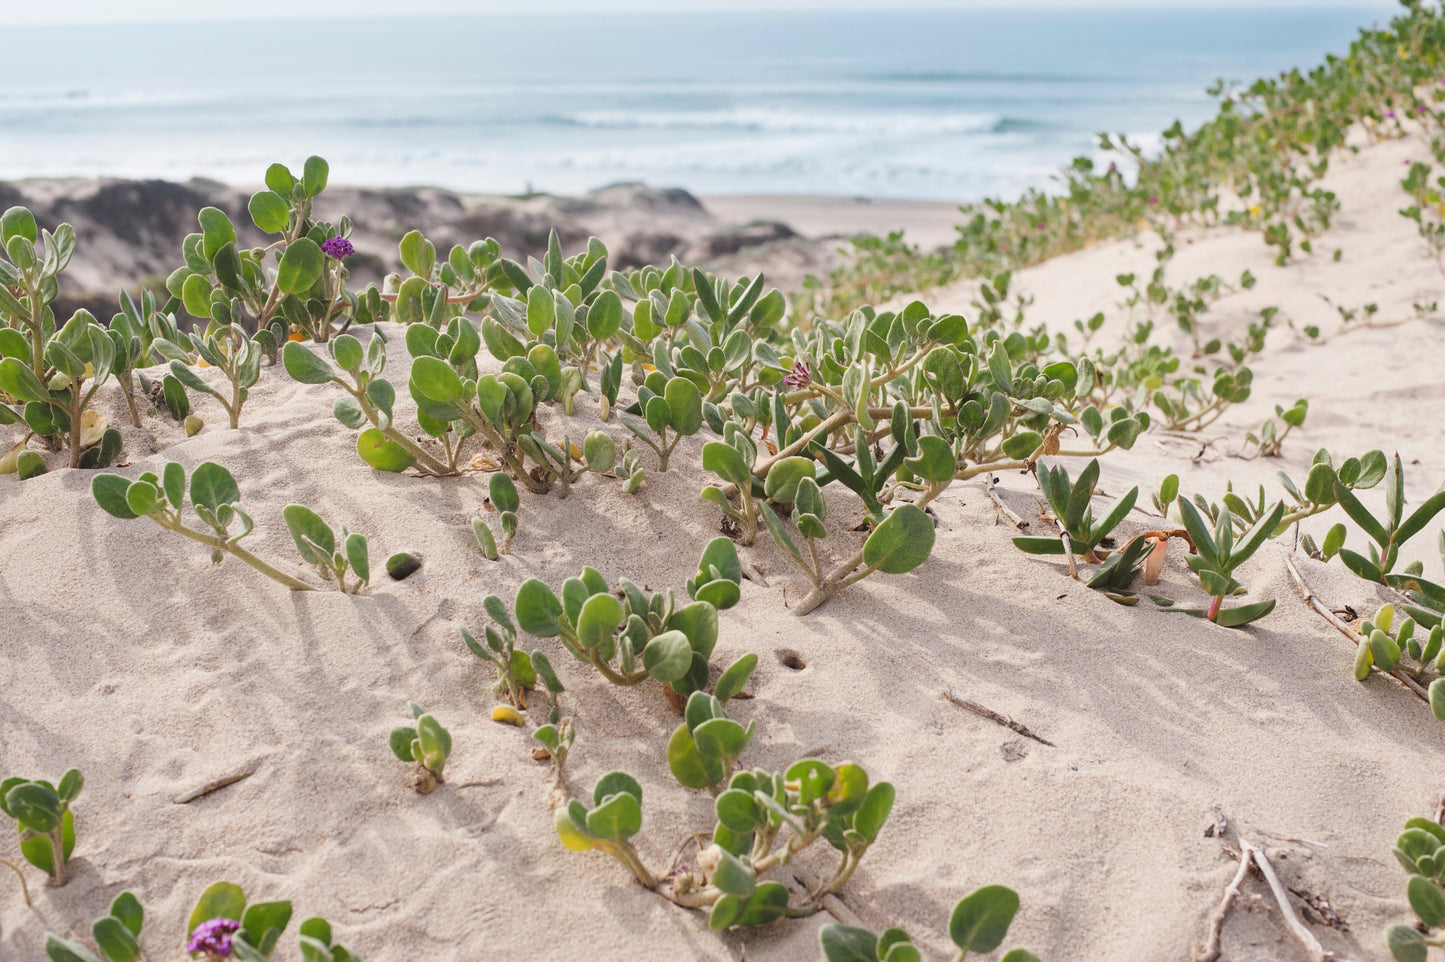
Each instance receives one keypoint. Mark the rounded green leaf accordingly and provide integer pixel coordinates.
(619, 818)
(785, 475)
(115, 940)
(503, 492)
(736, 809)
(304, 365)
(18, 380)
(18, 222)
(1021, 445)
(35, 806)
(845, 943)
(300, 266)
(314, 174)
(400, 741)
(732, 877)
(223, 900)
(598, 620)
(537, 609)
(62, 950)
(901, 543)
(141, 497)
(435, 742)
(736, 675)
(599, 451)
(269, 211)
(109, 491)
(573, 835)
(1406, 944)
(725, 461)
(213, 486)
(687, 765)
(1437, 698)
(1428, 901)
(720, 738)
(667, 657)
(980, 921)
(379, 451)
(314, 537)
(684, 404)
(935, 461)
(720, 594)
(604, 317)
(812, 777)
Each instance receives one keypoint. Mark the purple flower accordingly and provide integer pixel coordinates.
(1390, 114)
(1153, 200)
(1421, 109)
(337, 247)
(799, 376)
(214, 937)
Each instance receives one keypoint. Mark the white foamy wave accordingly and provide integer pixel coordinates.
(783, 120)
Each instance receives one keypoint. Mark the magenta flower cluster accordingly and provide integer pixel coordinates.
(799, 376)
(337, 247)
(213, 938)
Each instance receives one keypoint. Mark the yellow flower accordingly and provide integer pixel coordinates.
(1254, 211)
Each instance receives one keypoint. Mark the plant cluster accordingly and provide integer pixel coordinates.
(1421, 850)
(221, 926)
(43, 818)
(215, 498)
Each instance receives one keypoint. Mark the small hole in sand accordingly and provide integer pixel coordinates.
(791, 659)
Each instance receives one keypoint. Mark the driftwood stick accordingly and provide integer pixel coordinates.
(1210, 951)
(1003, 509)
(1350, 633)
(1311, 944)
(996, 718)
(212, 786)
(830, 903)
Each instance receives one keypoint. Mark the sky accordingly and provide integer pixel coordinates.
(133, 11)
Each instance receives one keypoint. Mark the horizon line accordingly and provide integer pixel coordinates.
(572, 8)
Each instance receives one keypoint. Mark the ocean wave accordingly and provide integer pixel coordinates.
(781, 120)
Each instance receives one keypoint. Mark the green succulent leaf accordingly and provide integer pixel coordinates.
(222, 900)
(980, 921)
(301, 266)
(668, 656)
(901, 543)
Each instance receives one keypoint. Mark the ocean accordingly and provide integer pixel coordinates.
(938, 104)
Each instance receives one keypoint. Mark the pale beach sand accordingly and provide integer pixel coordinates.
(125, 653)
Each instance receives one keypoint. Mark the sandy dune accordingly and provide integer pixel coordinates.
(126, 654)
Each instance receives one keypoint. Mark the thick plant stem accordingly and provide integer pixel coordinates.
(128, 389)
(57, 856)
(241, 553)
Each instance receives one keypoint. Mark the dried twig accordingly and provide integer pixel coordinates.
(1069, 552)
(1350, 633)
(1210, 951)
(23, 887)
(996, 718)
(1003, 509)
(751, 572)
(1311, 944)
(212, 786)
